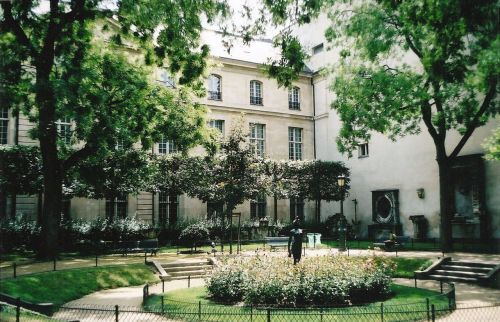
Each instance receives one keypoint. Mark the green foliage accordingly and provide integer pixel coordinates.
(404, 62)
(120, 171)
(20, 169)
(405, 267)
(232, 175)
(322, 281)
(18, 232)
(492, 146)
(194, 234)
(291, 63)
(75, 283)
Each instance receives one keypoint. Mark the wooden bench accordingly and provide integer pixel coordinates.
(275, 242)
(137, 246)
(391, 245)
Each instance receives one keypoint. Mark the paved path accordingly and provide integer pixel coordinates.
(469, 297)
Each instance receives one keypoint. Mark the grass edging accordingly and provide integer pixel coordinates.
(60, 287)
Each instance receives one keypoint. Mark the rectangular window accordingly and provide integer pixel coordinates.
(167, 208)
(296, 208)
(4, 125)
(294, 98)
(66, 207)
(64, 129)
(116, 207)
(217, 124)
(214, 210)
(363, 150)
(167, 147)
(258, 139)
(318, 49)
(258, 207)
(165, 79)
(294, 143)
(255, 93)
(214, 87)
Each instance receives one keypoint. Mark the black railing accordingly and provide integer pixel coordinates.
(255, 100)
(214, 95)
(294, 105)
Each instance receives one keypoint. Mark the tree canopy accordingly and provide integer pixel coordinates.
(408, 65)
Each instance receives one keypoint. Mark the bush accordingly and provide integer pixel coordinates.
(323, 281)
(19, 232)
(194, 234)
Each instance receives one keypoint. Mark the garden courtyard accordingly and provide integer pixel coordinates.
(232, 160)
(115, 289)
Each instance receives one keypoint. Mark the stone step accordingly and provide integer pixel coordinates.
(186, 268)
(453, 278)
(184, 264)
(471, 264)
(186, 277)
(184, 273)
(465, 268)
(459, 273)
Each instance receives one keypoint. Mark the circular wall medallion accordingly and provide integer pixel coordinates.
(384, 207)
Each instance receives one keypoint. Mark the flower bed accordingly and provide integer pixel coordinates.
(318, 281)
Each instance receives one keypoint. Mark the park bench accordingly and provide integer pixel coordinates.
(397, 243)
(275, 242)
(137, 246)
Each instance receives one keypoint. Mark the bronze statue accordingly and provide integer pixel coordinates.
(295, 241)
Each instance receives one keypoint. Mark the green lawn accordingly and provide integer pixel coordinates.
(406, 266)
(407, 304)
(8, 314)
(60, 287)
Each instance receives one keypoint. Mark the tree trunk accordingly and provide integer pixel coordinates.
(51, 217)
(229, 214)
(318, 211)
(445, 204)
(275, 209)
(51, 164)
(13, 205)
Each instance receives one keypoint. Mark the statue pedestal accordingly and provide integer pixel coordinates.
(383, 231)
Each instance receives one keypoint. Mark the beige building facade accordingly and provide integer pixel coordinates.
(393, 184)
(276, 117)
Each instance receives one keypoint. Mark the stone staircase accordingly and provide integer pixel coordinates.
(183, 269)
(450, 270)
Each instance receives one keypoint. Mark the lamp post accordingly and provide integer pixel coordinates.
(343, 222)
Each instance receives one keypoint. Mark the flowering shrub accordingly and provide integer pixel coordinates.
(324, 281)
(194, 234)
(227, 281)
(18, 232)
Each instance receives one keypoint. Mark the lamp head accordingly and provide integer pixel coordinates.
(341, 181)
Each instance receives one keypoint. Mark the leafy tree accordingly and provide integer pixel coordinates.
(492, 146)
(20, 172)
(319, 182)
(119, 172)
(280, 183)
(450, 84)
(56, 70)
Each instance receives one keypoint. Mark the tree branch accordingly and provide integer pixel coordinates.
(425, 109)
(48, 51)
(78, 156)
(440, 109)
(15, 27)
(474, 124)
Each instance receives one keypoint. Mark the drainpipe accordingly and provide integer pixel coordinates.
(13, 197)
(314, 117)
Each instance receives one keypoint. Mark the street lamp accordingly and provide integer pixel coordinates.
(342, 223)
(341, 183)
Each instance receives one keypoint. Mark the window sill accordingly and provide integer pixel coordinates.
(255, 104)
(363, 156)
(215, 99)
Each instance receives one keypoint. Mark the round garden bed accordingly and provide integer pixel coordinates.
(316, 281)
